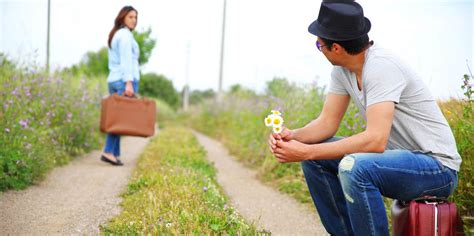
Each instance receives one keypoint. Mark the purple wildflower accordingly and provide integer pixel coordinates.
(7, 130)
(69, 116)
(23, 123)
(14, 92)
(84, 97)
(204, 188)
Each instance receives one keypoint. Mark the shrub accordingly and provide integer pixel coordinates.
(158, 86)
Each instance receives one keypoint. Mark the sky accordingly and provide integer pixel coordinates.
(264, 38)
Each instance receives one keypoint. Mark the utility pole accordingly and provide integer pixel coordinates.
(220, 92)
(186, 85)
(47, 37)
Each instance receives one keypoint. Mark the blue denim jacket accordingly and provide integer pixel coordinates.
(123, 57)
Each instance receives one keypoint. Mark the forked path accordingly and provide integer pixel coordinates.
(77, 198)
(269, 209)
(73, 199)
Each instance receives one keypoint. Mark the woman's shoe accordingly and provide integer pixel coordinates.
(115, 163)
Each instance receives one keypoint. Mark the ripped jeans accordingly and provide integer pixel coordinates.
(348, 192)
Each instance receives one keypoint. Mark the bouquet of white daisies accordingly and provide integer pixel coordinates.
(275, 120)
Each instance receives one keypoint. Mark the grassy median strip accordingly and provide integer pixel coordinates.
(174, 190)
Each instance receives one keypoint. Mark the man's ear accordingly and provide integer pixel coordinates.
(337, 48)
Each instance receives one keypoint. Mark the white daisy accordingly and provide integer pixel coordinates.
(277, 121)
(276, 112)
(277, 130)
(269, 121)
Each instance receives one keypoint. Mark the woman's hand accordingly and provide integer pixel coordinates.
(129, 89)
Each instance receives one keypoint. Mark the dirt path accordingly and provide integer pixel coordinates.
(74, 199)
(77, 198)
(270, 209)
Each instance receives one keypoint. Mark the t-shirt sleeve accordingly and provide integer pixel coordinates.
(384, 82)
(336, 85)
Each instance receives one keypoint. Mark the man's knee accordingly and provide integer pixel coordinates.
(346, 164)
(354, 167)
(309, 166)
(350, 174)
(318, 164)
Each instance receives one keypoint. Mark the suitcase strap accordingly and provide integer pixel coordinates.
(435, 205)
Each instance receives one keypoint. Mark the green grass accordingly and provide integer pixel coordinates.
(164, 113)
(174, 191)
(463, 129)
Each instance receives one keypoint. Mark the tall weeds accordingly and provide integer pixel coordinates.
(44, 121)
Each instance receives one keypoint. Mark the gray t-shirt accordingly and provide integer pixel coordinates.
(418, 124)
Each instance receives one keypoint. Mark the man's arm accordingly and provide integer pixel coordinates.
(373, 139)
(320, 129)
(327, 123)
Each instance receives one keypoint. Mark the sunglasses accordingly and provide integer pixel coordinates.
(320, 46)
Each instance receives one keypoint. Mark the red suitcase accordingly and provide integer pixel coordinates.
(425, 217)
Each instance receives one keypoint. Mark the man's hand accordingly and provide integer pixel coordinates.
(291, 151)
(128, 89)
(286, 134)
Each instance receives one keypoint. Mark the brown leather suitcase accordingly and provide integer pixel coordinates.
(425, 217)
(128, 116)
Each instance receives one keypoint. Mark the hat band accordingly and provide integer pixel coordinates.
(341, 30)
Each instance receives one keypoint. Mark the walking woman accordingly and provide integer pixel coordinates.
(124, 75)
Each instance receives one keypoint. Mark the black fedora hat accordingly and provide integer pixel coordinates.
(340, 20)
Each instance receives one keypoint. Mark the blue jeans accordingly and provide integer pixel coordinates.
(112, 141)
(348, 192)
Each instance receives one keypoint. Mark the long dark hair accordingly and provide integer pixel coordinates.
(119, 22)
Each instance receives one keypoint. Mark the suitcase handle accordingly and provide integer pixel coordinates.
(431, 199)
(135, 96)
(425, 199)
